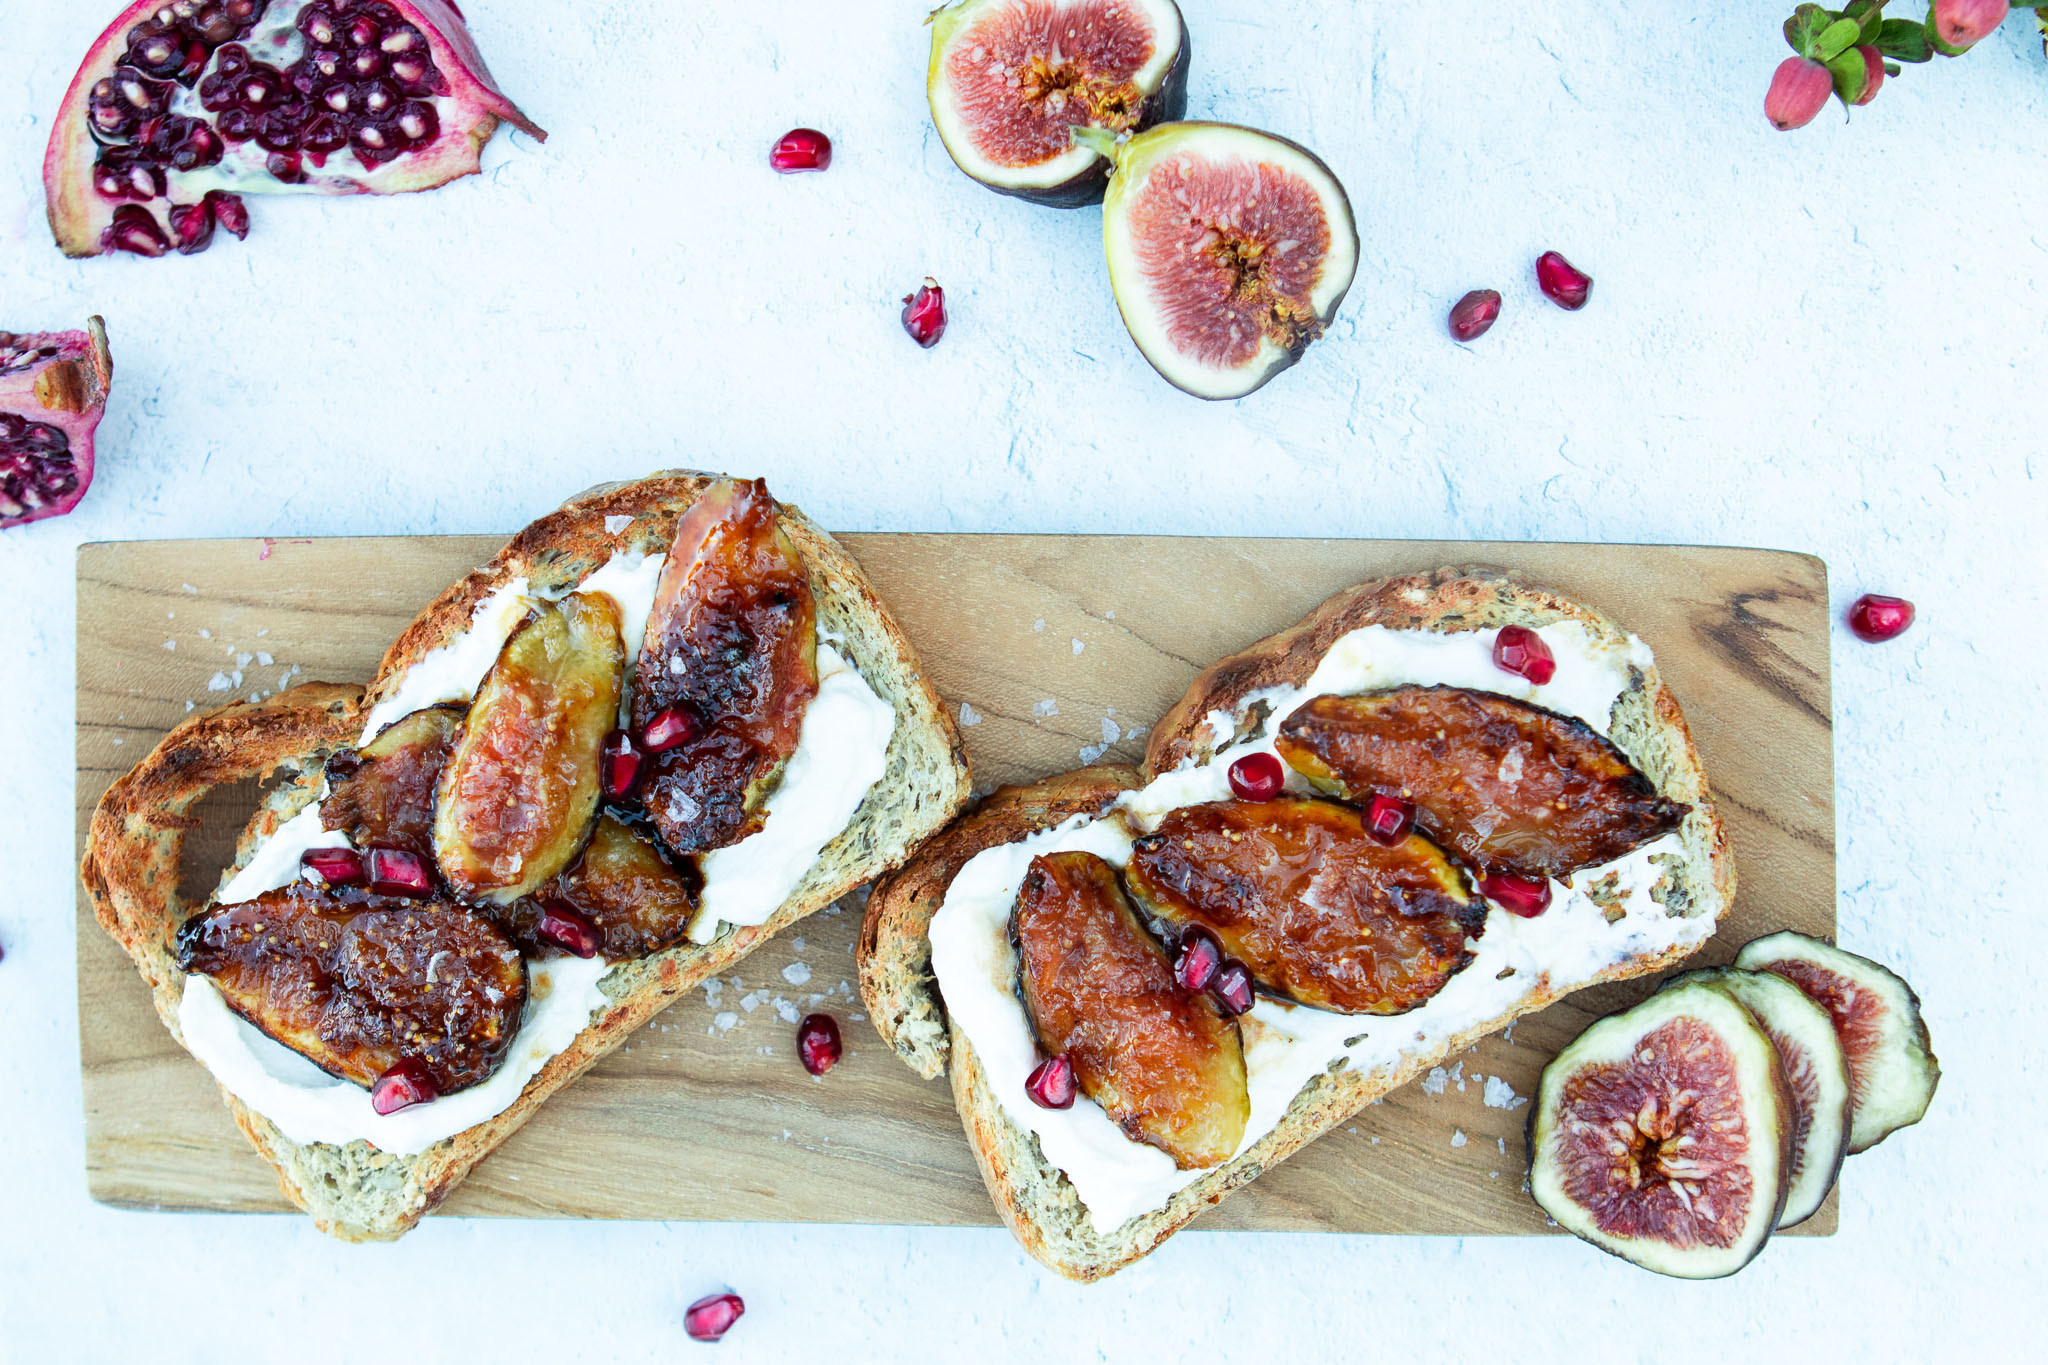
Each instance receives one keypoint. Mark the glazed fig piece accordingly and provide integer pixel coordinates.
(1304, 897)
(729, 664)
(1010, 81)
(382, 795)
(1163, 1062)
(519, 794)
(1506, 786)
(356, 982)
(640, 902)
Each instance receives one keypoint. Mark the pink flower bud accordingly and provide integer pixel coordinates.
(1963, 22)
(1798, 90)
(1873, 74)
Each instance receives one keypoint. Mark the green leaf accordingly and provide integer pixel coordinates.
(1869, 16)
(1905, 41)
(1849, 72)
(1836, 38)
(1804, 27)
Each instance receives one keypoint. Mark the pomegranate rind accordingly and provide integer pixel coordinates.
(1816, 1075)
(1721, 1083)
(74, 406)
(1282, 168)
(1078, 175)
(470, 112)
(1893, 1071)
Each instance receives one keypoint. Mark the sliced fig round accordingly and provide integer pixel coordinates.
(1662, 1134)
(1507, 786)
(1164, 1062)
(633, 897)
(1010, 81)
(53, 391)
(1302, 894)
(1816, 1076)
(1892, 1070)
(382, 795)
(1229, 250)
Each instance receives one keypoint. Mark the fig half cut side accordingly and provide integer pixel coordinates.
(1816, 1075)
(1229, 250)
(1892, 1069)
(1662, 1134)
(1010, 81)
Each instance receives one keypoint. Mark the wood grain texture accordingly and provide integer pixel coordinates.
(698, 1118)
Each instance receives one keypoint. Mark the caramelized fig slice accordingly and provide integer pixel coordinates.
(1304, 897)
(732, 644)
(1162, 1061)
(1892, 1070)
(1816, 1077)
(1662, 1134)
(382, 795)
(640, 902)
(356, 982)
(1506, 786)
(518, 796)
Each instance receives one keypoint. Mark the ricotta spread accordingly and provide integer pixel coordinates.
(1287, 1046)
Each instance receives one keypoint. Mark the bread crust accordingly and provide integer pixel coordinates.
(1035, 1200)
(135, 842)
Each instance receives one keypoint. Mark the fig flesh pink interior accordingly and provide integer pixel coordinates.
(183, 105)
(53, 389)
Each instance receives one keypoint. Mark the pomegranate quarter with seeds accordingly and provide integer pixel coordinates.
(53, 389)
(181, 106)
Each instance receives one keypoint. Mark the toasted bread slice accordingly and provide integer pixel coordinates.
(136, 840)
(1034, 1198)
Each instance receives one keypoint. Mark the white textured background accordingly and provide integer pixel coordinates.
(1830, 341)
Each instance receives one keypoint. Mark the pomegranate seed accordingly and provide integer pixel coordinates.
(924, 314)
(395, 872)
(1051, 1083)
(1524, 896)
(1518, 649)
(333, 866)
(801, 149)
(1233, 987)
(1201, 957)
(1257, 777)
(1472, 315)
(671, 726)
(620, 766)
(1388, 818)
(1563, 283)
(1962, 23)
(1873, 74)
(1875, 618)
(192, 224)
(569, 930)
(817, 1042)
(406, 1084)
(712, 1316)
(229, 211)
(1799, 91)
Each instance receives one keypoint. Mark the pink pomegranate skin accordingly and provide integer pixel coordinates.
(1799, 91)
(469, 112)
(50, 406)
(1962, 23)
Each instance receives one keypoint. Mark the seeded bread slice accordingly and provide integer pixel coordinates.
(136, 841)
(1035, 1200)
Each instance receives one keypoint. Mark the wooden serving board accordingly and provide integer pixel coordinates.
(1052, 647)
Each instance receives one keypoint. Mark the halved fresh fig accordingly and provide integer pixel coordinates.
(1507, 786)
(1662, 1134)
(357, 982)
(1892, 1070)
(1302, 894)
(729, 665)
(638, 901)
(1163, 1061)
(1229, 250)
(182, 106)
(1010, 80)
(518, 797)
(382, 795)
(53, 390)
(1816, 1077)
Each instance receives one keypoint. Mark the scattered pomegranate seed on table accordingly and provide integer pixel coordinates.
(395, 872)
(1472, 315)
(569, 930)
(924, 314)
(1233, 987)
(1257, 777)
(1389, 818)
(1799, 90)
(1527, 897)
(801, 149)
(671, 726)
(1876, 618)
(712, 1316)
(817, 1042)
(406, 1084)
(1051, 1083)
(1563, 283)
(1518, 649)
(1201, 957)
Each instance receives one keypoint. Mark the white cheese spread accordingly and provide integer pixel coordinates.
(1286, 1046)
